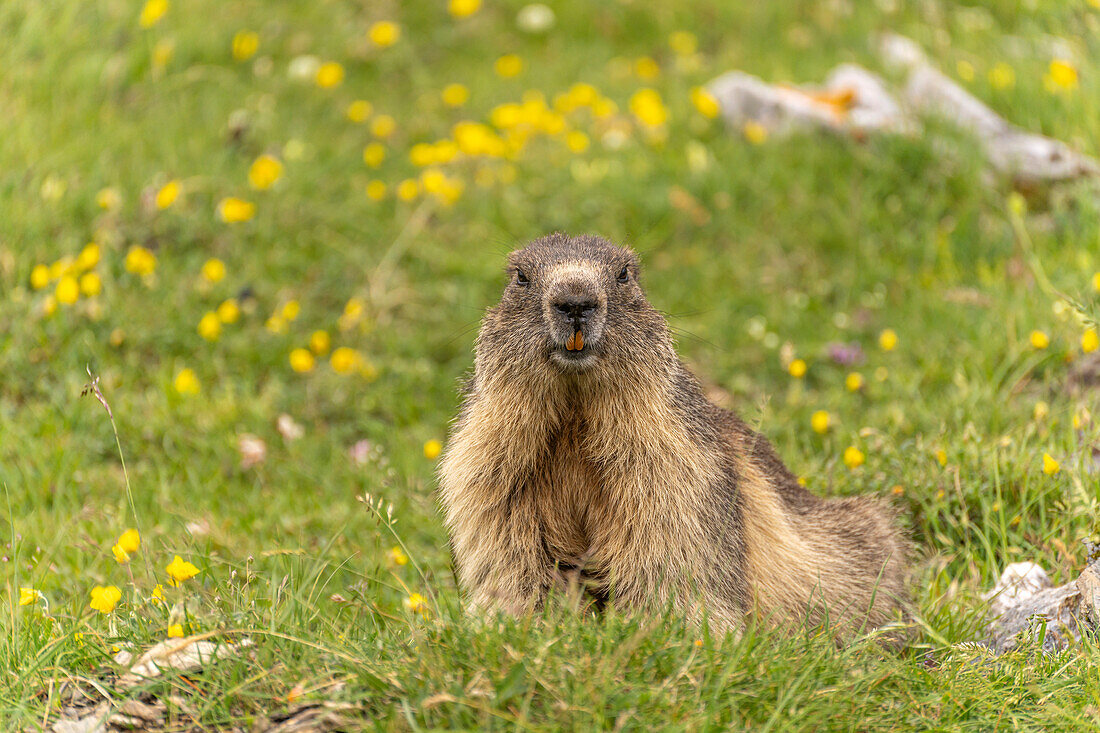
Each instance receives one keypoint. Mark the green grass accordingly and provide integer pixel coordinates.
(802, 242)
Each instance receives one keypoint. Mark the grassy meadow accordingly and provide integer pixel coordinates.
(269, 230)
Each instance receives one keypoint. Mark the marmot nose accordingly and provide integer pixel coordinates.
(576, 307)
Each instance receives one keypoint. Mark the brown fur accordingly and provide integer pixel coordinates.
(616, 465)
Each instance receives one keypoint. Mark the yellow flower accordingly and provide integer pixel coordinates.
(1096, 282)
(854, 382)
(374, 154)
(797, 368)
(683, 43)
(151, 12)
(140, 261)
(301, 360)
(646, 68)
(1050, 466)
(49, 305)
(245, 45)
(433, 180)
(210, 326)
(167, 194)
(508, 65)
(819, 421)
(265, 171)
(60, 267)
(1039, 340)
(108, 199)
(88, 257)
(90, 284)
(603, 108)
(1062, 75)
(384, 33)
(175, 631)
(320, 342)
(754, 132)
(359, 110)
(345, 360)
(416, 603)
(455, 95)
(888, 339)
(1001, 76)
(291, 309)
(354, 307)
(105, 598)
(1090, 341)
(965, 70)
(130, 541)
(577, 141)
(213, 270)
(68, 290)
(162, 53)
(329, 75)
(397, 556)
(705, 102)
(233, 210)
(853, 457)
(275, 324)
(158, 593)
(383, 126)
(186, 382)
(408, 189)
(376, 190)
(28, 596)
(367, 370)
(647, 106)
(40, 277)
(121, 556)
(422, 154)
(463, 8)
(432, 449)
(180, 570)
(228, 312)
(941, 457)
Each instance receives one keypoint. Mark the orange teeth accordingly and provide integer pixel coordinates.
(575, 342)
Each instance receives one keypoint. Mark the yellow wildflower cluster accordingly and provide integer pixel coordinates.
(227, 312)
(343, 359)
(72, 278)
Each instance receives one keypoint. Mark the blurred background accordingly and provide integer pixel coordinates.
(270, 230)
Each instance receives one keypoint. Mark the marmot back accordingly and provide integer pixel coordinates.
(584, 445)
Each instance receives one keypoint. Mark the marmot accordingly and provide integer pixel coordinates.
(585, 444)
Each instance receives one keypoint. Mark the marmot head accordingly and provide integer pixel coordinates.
(571, 305)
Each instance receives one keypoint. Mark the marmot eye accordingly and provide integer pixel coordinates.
(521, 279)
(624, 275)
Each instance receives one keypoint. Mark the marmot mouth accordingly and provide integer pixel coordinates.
(574, 353)
(575, 342)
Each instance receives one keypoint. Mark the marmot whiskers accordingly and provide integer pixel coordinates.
(585, 444)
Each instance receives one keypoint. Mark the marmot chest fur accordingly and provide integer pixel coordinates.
(584, 442)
